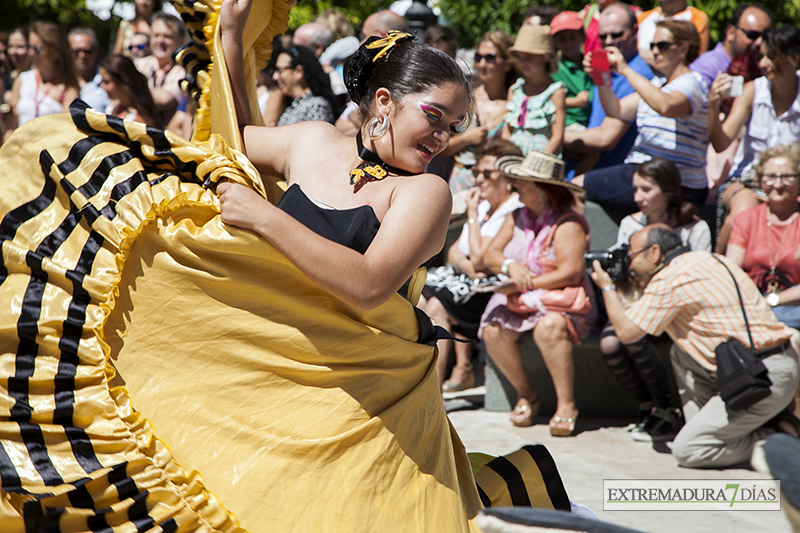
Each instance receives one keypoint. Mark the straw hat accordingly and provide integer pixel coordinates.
(536, 40)
(536, 166)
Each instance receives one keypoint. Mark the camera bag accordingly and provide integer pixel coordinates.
(742, 378)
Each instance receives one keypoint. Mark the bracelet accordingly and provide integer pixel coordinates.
(458, 262)
(505, 265)
(609, 288)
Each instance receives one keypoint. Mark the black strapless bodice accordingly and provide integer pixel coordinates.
(354, 228)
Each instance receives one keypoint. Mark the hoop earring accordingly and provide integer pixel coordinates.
(377, 128)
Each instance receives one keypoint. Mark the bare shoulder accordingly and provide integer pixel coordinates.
(271, 148)
(426, 186)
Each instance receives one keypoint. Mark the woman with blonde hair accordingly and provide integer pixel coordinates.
(671, 114)
(52, 84)
(765, 239)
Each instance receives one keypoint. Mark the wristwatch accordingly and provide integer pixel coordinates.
(773, 299)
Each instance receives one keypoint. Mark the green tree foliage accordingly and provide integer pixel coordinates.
(355, 10)
(68, 13)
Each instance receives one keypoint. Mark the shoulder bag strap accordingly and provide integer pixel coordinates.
(741, 302)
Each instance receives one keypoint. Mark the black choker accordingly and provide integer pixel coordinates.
(374, 167)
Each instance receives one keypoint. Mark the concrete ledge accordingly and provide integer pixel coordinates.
(597, 392)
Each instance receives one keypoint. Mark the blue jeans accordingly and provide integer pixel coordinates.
(788, 314)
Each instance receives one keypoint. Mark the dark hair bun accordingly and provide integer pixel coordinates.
(358, 70)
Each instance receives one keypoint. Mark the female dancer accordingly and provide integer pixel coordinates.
(412, 97)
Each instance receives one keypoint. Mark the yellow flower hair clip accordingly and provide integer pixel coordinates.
(393, 38)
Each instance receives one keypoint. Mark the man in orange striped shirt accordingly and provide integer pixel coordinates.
(692, 297)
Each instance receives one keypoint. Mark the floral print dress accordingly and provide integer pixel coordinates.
(530, 118)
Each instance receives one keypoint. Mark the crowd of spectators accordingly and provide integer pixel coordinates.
(628, 109)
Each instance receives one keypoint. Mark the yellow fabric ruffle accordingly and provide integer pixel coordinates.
(147, 343)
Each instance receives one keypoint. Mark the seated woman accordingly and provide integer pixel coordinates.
(769, 107)
(671, 116)
(540, 247)
(765, 239)
(127, 89)
(303, 82)
(638, 367)
(52, 84)
(452, 305)
(497, 70)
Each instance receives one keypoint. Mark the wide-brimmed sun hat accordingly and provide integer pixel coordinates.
(536, 166)
(536, 40)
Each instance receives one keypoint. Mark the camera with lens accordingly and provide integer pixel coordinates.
(615, 261)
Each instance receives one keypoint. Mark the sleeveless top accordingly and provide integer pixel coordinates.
(354, 228)
(530, 118)
(33, 102)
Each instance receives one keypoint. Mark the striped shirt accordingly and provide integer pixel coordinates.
(684, 140)
(694, 300)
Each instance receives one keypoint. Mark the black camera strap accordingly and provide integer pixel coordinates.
(741, 302)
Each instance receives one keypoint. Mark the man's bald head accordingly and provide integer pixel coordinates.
(379, 23)
(314, 36)
(617, 26)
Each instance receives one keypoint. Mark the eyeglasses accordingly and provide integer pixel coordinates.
(141, 47)
(772, 179)
(631, 255)
(662, 46)
(487, 174)
(489, 58)
(750, 34)
(614, 36)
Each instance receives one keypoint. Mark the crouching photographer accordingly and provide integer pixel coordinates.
(703, 301)
(638, 366)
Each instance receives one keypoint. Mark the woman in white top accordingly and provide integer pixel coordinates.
(670, 114)
(52, 84)
(769, 107)
(451, 304)
(638, 367)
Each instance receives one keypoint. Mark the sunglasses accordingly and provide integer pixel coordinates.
(133, 47)
(489, 58)
(36, 49)
(614, 36)
(662, 46)
(750, 34)
(79, 51)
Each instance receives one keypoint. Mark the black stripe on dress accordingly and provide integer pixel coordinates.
(552, 479)
(513, 480)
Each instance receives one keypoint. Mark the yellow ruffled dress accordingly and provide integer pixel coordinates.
(161, 371)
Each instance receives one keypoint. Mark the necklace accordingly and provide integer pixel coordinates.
(772, 279)
(373, 168)
(36, 100)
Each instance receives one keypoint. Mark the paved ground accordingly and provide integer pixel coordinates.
(603, 449)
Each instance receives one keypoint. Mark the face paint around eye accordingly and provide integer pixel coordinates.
(458, 127)
(431, 112)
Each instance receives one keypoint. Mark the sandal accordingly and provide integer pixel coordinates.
(467, 380)
(522, 415)
(560, 431)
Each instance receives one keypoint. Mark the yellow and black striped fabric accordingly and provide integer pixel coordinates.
(145, 343)
(527, 477)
